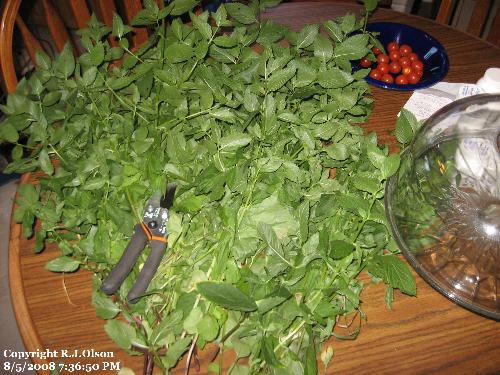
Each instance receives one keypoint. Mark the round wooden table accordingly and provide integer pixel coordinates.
(423, 335)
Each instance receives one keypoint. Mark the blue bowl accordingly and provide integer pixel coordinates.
(430, 51)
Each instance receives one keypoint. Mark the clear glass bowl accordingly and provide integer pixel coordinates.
(443, 204)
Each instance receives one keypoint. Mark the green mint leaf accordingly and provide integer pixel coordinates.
(45, 162)
(337, 151)
(353, 48)
(63, 264)
(241, 13)
(348, 23)
(201, 24)
(340, 249)
(8, 133)
(175, 351)
(390, 165)
(394, 272)
(334, 78)
(105, 308)
(234, 141)
(375, 155)
(42, 60)
(225, 114)
(226, 295)
(334, 31)
(65, 62)
(268, 235)
(208, 328)
(121, 333)
(88, 77)
(144, 17)
(279, 78)
(183, 6)
(151, 4)
(370, 5)
(119, 29)
(190, 324)
(178, 52)
(406, 126)
(307, 35)
(220, 16)
(323, 48)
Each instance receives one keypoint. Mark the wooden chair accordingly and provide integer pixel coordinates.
(478, 20)
(80, 15)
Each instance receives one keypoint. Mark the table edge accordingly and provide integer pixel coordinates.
(25, 324)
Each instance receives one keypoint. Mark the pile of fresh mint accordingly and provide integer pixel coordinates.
(279, 203)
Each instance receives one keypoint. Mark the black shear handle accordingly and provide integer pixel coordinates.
(126, 263)
(148, 270)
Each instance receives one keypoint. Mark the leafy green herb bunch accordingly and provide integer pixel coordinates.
(279, 204)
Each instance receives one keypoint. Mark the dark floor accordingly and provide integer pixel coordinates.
(10, 340)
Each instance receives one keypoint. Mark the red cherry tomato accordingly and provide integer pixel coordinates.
(387, 78)
(376, 51)
(394, 67)
(405, 50)
(401, 80)
(365, 63)
(392, 46)
(375, 74)
(394, 55)
(413, 57)
(383, 58)
(404, 61)
(383, 68)
(413, 78)
(417, 65)
(406, 70)
(419, 73)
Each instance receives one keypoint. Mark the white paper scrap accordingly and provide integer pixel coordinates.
(424, 105)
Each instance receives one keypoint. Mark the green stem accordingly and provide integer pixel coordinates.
(160, 87)
(133, 54)
(364, 220)
(177, 121)
(24, 146)
(198, 60)
(57, 153)
(123, 101)
(131, 203)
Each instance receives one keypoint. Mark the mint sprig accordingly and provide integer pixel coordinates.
(265, 242)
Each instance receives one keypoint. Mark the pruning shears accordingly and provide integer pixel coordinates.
(152, 230)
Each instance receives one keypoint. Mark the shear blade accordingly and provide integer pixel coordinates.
(168, 199)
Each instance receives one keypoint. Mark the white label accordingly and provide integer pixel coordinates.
(424, 105)
(469, 90)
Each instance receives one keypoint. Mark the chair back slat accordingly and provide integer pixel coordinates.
(80, 12)
(30, 42)
(55, 24)
(104, 10)
(76, 15)
(445, 11)
(131, 8)
(9, 13)
(494, 34)
(478, 18)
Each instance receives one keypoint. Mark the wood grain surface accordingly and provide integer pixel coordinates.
(424, 335)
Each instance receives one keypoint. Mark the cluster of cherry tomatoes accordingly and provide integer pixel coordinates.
(400, 65)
